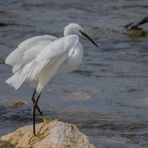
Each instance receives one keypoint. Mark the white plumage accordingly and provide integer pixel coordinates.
(38, 59)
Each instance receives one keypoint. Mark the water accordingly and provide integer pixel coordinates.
(107, 97)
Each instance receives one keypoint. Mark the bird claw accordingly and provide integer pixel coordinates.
(37, 137)
(45, 120)
(41, 134)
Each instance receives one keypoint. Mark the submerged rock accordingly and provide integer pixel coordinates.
(133, 29)
(137, 32)
(17, 103)
(54, 134)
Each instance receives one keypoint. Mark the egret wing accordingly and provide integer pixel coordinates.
(28, 50)
(48, 60)
(56, 52)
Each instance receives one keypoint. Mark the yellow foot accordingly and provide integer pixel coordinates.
(35, 138)
(45, 120)
(42, 133)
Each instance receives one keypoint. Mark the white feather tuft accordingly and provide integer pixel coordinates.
(16, 80)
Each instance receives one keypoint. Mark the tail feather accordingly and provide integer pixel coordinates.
(16, 80)
(20, 75)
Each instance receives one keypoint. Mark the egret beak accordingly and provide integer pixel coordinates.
(84, 34)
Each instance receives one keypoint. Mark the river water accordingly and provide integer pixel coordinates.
(107, 97)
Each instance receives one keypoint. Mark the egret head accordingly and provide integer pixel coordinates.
(73, 28)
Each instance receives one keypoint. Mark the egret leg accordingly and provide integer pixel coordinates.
(33, 100)
(34, 112)
(39, 110)
(34, 118)
(41, 113)
(45, 120)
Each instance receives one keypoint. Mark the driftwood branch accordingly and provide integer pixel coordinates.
(133, 25)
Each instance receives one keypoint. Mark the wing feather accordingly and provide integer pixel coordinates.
(56, 50)
(28, 50)
(50, 58)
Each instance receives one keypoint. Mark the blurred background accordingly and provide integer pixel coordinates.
(107, 97)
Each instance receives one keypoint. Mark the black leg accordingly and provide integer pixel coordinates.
(33, 100)
(34, 112)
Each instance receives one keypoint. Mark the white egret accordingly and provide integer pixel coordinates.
(37, 59)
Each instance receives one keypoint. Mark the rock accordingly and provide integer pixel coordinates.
(17, 103)
(54, 134)
(137, 32)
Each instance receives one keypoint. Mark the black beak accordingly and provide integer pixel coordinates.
(84, 34)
